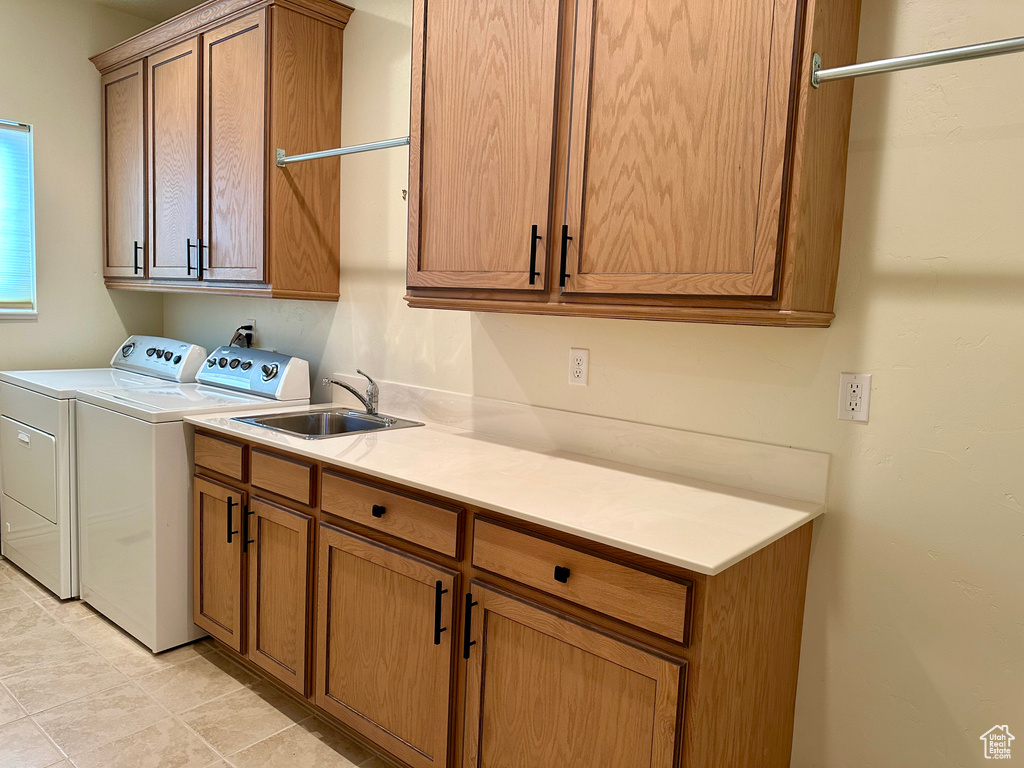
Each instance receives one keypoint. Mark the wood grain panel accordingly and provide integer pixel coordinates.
(546, 691)
(304, 230)
(291, 478)
(378, 668)
(219, 455)
(656, 604)
(124, 172)
(218, 585)
(408, 518)
(675, 139)
(485, 142)
(279, 582)
(234, 149)
(174, 131)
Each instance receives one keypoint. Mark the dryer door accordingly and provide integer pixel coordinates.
(30, 467)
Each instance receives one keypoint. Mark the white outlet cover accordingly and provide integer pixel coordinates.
(854, 396)
(579, 367)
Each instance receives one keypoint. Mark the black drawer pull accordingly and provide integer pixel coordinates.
(246, 541)
(468, 631)
(534, 239)
(188, 256)
(231, 514)
(562, 574)
(438, 629)
(378, 511)
(137, 267)
(565, 256)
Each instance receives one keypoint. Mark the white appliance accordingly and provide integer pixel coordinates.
(38, 505)
(135, 491)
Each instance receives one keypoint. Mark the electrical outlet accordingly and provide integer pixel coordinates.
(579, 367)
(854, 396)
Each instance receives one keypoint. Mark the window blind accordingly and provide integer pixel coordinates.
(17, 220)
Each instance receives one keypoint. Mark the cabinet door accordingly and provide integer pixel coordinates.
(559, 694)
(279, 578)
(384, 646)
(174, 161)
(675, 178)
(484, 75)
(234, 153)
(217, 560)
(124, 172)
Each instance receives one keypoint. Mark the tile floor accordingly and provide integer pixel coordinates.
(75, 691)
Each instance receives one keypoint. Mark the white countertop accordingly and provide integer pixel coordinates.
(696, 525)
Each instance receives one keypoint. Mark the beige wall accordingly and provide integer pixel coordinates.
(46, 79)
(914, 640)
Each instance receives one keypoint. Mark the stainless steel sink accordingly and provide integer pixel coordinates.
(320, 424)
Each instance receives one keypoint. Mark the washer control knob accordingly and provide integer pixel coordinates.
(177, 359)
(247, 365)
(127, 349)
(269, 371)
(168, 355)
(151, 351)
(211, 362)
(235, 363)
(223, 362)
(159, 353)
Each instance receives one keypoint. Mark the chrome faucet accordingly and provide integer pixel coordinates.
(372, 398)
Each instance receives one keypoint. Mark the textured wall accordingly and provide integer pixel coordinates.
(914, 635)
(46, 80)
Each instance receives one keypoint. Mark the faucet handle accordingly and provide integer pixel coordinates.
(372, 392)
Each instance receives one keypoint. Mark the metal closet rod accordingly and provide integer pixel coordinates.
(283, 159)
(946, 56)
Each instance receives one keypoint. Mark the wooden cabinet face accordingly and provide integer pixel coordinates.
(547, 692)
(484, 173)
(678, 146)
(174, 162)
(124, 173)
(382, 667)
(234, 155)
(217, 561)
(279, 560)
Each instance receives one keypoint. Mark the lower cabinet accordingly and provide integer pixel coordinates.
(279, 550)
(545, 691)
(252, 579)
(218, 582)
(384, 645)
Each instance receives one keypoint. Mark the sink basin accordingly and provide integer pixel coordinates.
(317, 425)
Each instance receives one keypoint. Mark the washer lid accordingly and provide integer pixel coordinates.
(64, 384)
(172, 402)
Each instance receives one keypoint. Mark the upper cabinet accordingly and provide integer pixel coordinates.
(124, 173)
(621, 159)
(194, 111)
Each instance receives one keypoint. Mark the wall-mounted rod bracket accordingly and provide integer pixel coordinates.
(283, 159)
(914, 61)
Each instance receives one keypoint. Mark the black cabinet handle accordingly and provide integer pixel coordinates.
(200, 255)
(468, 631)
(438, 629)
(378, 511)
(565, 254)
(534, 239)
(562, 574)
(231, 515)
(188, 255)
(137, 267)
(246, 541)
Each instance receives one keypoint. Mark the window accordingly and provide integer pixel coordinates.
(17, 222)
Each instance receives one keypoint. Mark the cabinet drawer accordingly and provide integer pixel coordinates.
(290, 478)
(419, 522)
(651, 602)
(219, 455)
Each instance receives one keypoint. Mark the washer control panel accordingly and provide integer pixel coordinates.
(258, 372)
(163, 358)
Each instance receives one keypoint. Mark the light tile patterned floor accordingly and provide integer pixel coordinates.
(76, 692)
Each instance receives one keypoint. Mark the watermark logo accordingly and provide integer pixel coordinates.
(997, 743)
